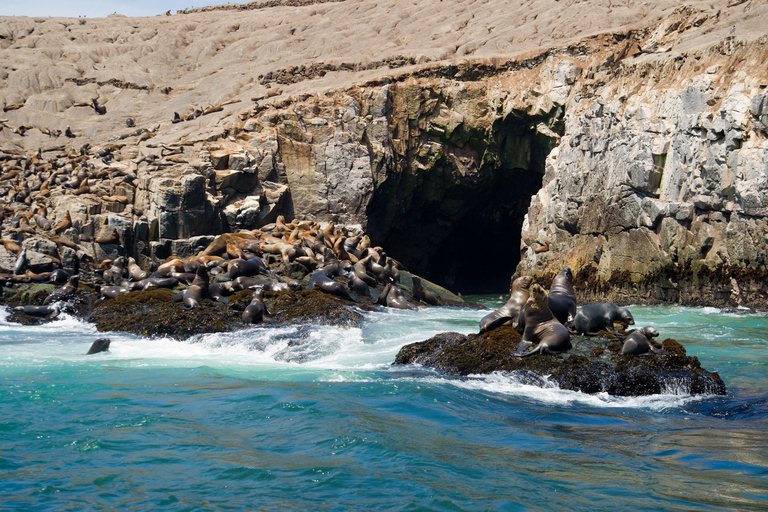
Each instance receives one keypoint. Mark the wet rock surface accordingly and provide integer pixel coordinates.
(592, 366)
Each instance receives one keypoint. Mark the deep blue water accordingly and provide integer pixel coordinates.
(255, 421)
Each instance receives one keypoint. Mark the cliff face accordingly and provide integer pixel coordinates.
(637, 157)
(658, 188)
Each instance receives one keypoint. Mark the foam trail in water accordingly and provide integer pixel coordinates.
(529, 386)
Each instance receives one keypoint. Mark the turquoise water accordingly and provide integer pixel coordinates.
(316, 418)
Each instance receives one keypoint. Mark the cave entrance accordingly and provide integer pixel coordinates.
(462, 229)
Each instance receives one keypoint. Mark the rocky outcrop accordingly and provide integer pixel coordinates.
(592, 366)
(657, 191)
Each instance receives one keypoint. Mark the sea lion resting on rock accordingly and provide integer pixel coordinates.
(59, 276)
(562, 299)
(639, 342)
(219, 291)
(111, 292)
(244, 283)
(42, 311)
(593, 318)
(426, 296)
(541, 326)
(325, 284)
(393, 297)
(197, 291)
(509, 312)
(255, 311)
(65, 292)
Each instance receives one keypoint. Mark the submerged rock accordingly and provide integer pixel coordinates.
(592, 366)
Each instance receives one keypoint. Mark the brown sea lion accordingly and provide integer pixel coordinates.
(594, 318)
(113, 238)
(134, 270)
(218, 291)
(562, 298)
(248, 268)
(509, 312)
(639, 342)
(541, 326)
(396, 299)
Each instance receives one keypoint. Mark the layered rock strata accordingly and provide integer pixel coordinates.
(644, 150)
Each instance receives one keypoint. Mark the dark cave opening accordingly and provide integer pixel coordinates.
(476, 251)
(461, 227)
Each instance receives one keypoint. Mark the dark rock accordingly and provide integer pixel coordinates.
(588, 367)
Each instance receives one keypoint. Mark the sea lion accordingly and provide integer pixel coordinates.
(218, 291)
(65, 292)
(255, 311)
(113, 238)
(509, 312)
(134, 270)
(51, 311)
(426, 296)
(21, 262)
(362, 273)
(542, 326)
(248, 268)
(100, 345)
(244, 283)
(601, 317)
(156, 282)
(325, 284)
(639, 342)
(562, 299)
(59, 276)
(111, 292)
(396, 299)
(357, 285)
(197, 291)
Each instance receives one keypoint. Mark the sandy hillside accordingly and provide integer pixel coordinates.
(149, 68)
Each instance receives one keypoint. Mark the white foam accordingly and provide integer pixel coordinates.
(524, 385)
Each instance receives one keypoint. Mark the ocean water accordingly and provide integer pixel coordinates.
(316, 418)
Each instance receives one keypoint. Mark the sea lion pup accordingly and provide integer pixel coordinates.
(562, 299)
(509, 312)
(325, 284)
(255, 311)
(218, 291)
(110, 292)
(639, 342)
(100, 345)
(51, 311)
(594, 318)
(65, 292)
(426, 296)
(59, 276)
(197, 291)
(541, 326)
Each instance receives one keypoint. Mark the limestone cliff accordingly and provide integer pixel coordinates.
(630, 146)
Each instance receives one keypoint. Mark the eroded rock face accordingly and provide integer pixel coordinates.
(661, 191)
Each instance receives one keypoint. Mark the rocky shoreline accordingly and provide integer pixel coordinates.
(120, 300)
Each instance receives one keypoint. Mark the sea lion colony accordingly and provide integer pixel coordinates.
(250, 260)
(549, 319)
